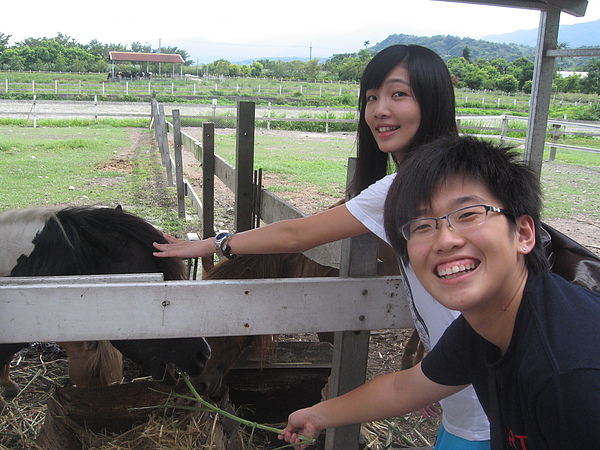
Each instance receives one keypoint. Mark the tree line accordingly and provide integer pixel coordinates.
(64, 54)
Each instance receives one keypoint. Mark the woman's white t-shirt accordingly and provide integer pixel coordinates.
(463, 415)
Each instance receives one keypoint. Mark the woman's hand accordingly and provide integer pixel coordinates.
(431, 411)
(179, 248)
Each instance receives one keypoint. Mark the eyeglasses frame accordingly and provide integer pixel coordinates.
(488, 208)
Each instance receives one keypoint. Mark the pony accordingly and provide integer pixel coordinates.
(226, 351)
(94, 240)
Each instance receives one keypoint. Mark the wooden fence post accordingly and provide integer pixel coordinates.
(163, 143)
(555, 136)
(33, 109)
(351, 348)
(208, 180)
(178, 164)
(244, 162)
(153, 113)
(504, 132)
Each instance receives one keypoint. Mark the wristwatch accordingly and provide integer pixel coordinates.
(223, 250)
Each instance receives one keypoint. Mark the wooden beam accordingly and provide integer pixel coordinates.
(543, 73)
(169, 309)
(571, 52)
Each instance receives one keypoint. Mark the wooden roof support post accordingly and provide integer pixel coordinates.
(351, 348)
(543, 74)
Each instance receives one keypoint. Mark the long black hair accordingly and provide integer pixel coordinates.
(432, 87)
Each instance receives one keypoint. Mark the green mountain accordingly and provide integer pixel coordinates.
(452, 46)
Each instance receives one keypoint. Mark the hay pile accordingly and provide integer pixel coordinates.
(173, 430)
(42, 368)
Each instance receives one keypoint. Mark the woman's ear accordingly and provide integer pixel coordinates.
(525, 234)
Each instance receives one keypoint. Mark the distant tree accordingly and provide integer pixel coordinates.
(522, 70)
(571, 83)
(364, 55)
(459, 67)
(507, 83)
(219, 67)
(366, 44)
(4, 38)
(12, 59)
(591, 83)
(466, 53)
(139, 48)
(475, 79)
(245, 71)
(256, 69)
(234, 70)
(500, 64)
(351, 69)
(312, 69)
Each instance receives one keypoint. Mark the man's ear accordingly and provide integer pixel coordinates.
(525, 233)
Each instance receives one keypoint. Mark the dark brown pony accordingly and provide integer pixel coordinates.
(225, 351)
(84, 241)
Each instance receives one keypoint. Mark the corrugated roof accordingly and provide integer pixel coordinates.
(573, 7)
(146, 57)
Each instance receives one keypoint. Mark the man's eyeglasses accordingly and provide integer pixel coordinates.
(467, 217)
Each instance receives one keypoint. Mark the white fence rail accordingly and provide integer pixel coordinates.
(496, 127)
(68, 310)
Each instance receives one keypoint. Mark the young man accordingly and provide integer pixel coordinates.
(466, 215)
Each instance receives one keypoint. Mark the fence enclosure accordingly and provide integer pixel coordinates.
(117, 307)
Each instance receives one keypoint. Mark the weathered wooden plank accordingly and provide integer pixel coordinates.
(274, 208)
(77, 279)
(177, 150)
(225, 172)
(208, 180)
(94, 311)
(244, 166)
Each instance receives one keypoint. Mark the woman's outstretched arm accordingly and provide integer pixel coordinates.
(286, 236)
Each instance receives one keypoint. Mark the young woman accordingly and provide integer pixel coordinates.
(406, 99)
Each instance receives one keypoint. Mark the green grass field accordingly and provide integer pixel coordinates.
(72, 166)
(81, 166)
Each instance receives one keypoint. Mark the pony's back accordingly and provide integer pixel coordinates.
(95, 240)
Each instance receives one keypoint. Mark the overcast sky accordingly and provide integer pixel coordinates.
(237, 29)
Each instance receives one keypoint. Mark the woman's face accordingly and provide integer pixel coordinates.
(393, 113)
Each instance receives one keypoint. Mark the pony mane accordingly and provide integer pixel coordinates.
(89, 232)
(130, 226)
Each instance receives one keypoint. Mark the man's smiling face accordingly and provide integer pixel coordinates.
(472, 268)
